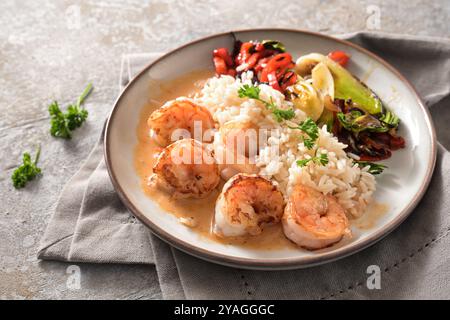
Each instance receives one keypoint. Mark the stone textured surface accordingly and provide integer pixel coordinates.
(51, 49)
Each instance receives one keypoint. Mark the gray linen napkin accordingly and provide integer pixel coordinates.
(90, 224)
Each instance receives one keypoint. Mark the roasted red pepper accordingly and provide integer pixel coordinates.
(220, 65)
(275, 70)
(269, 65)
(223, 62)
(225, 55)
(252, 60)
(232, 72)
(340, 57)
(273, 80)
(279, 63)
(259, 47)
(244, 53)
(288, 79)
(262, 63)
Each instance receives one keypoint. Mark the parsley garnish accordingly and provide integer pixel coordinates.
(312, 131)
(249, 91)
(252, 92)
(322, 159)
(374, 168)
(308, 126)
(62, 124)
(281, 114)
(27, 171)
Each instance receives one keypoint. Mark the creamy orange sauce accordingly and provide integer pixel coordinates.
(371, 216)
(201, 211)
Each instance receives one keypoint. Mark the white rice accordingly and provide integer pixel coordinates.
(352, 186)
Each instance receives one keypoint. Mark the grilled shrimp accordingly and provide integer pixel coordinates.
(241, 137)
(238, 148)
(182, 114)
(246, 204)
(313, 220)
(187, 169)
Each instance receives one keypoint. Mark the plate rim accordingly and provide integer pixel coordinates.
(280, 263)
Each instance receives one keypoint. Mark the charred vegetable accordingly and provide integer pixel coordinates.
(340, 57)
(390, 119)
(371, 137)
(356, 121)
(273, 45)
(346, 86)
(268, 60)
(323, 80)
(305, 98)
(327, 118)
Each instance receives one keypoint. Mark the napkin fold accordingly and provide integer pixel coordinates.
(90, 224)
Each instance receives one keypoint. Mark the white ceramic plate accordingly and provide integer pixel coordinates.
(402, 186)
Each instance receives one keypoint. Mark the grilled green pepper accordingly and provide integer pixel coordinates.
(346, 87)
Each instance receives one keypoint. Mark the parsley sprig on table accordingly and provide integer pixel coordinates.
(62, 124)
(252, 92)
(322, 159)
(27, 171)
(374, 168)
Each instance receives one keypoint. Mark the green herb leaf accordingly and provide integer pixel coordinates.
(322, 159)
(273, 45)
(84, 95)
(62, 124)
(309, 143)
(249, 91)
(27, 171)
(75, 117)
(282, 114)
(304, 162)
(374, 168)
(311, 129)
(252, 92)
(58, 122)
